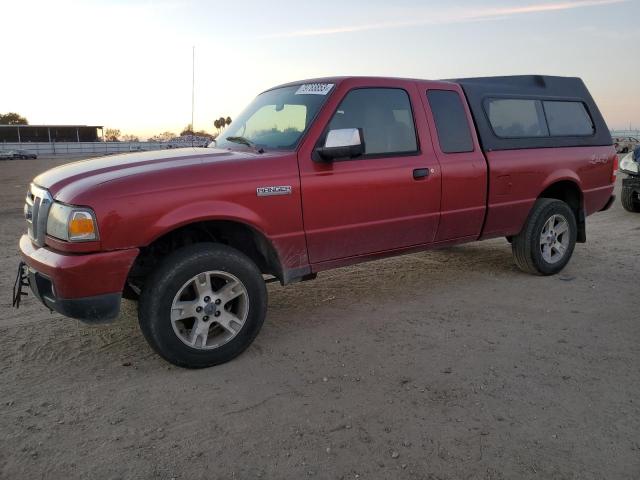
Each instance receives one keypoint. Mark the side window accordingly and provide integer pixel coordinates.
(451, 121)
(568, 118)
(516, 118)
(385, 116)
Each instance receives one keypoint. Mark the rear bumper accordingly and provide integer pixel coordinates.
(87, 286)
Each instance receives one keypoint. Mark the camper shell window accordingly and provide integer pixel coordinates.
(529, 118)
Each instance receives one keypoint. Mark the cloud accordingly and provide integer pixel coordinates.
(449, 17)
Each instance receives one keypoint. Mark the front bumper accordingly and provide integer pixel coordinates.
(83, 286)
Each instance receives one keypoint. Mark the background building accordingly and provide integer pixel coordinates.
(68, 140)
(50, 133)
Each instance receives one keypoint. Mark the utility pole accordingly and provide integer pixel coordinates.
(193, 90)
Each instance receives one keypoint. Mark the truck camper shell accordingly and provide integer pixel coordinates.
(548, 103)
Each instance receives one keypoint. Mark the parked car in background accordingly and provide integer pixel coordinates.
(17, 155)
(625, 144)
(379, 166)
(630, 164)
(24, 155)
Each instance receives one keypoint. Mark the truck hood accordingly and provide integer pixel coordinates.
(96, 171)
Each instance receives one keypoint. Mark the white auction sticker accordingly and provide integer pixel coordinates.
(314, 89)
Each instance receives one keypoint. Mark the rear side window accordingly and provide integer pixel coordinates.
(568, 119)
(385, 117)
(516, 118)
(452, 126)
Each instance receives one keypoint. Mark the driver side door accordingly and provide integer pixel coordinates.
(386, 199)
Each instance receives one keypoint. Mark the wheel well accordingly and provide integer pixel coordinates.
(237, 235)
(570, 193)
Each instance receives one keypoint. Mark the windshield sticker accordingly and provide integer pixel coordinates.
(314, 89)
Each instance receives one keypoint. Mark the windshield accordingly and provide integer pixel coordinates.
(277, 118)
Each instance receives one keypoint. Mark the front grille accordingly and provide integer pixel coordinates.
(36, 212)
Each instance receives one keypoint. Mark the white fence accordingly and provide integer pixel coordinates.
(625, 133)
(78, 148)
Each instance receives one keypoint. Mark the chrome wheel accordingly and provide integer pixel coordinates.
(554, 239)
(209, 310)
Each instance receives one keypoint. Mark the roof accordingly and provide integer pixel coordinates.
(339, 79)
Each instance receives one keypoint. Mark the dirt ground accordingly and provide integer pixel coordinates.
(449, 364)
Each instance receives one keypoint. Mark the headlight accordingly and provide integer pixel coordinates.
(74, 224)
(628, 165)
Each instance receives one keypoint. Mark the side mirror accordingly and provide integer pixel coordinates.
(342, 143)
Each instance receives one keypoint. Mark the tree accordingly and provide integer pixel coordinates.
(130, 138)
(162, 137)
(188, 130)
(221, 123)
(12, 118)
(202, 133)
(112, 135)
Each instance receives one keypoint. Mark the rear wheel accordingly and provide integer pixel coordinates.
(546, 243)
(630, 199)
(203, 305)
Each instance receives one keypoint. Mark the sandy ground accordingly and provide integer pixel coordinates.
(448, 364)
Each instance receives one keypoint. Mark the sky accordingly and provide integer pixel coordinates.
(128, 64)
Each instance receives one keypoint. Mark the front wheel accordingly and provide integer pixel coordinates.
(203, 305)
(546, 242)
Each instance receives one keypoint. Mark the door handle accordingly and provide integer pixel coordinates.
(420, 173)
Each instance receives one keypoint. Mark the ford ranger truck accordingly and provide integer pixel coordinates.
(315, 175)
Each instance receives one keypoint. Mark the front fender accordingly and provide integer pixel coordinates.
(207, 210)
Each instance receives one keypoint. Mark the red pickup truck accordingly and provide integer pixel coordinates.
(315, 175)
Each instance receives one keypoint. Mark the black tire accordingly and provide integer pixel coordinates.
(526, 245)
(156, 299)
(630, 200)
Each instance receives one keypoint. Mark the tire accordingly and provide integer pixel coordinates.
(546, 255)
(630, 200)
(168, 307)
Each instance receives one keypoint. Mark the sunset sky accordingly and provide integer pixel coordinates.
(127, 64)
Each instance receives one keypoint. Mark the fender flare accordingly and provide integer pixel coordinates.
(209, 211)
(561, 175)
(205, 211)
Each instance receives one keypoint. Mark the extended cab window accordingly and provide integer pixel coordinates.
(452, 126)
(385, 117)
(568, 118)
(277, 118)
(516, 118)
